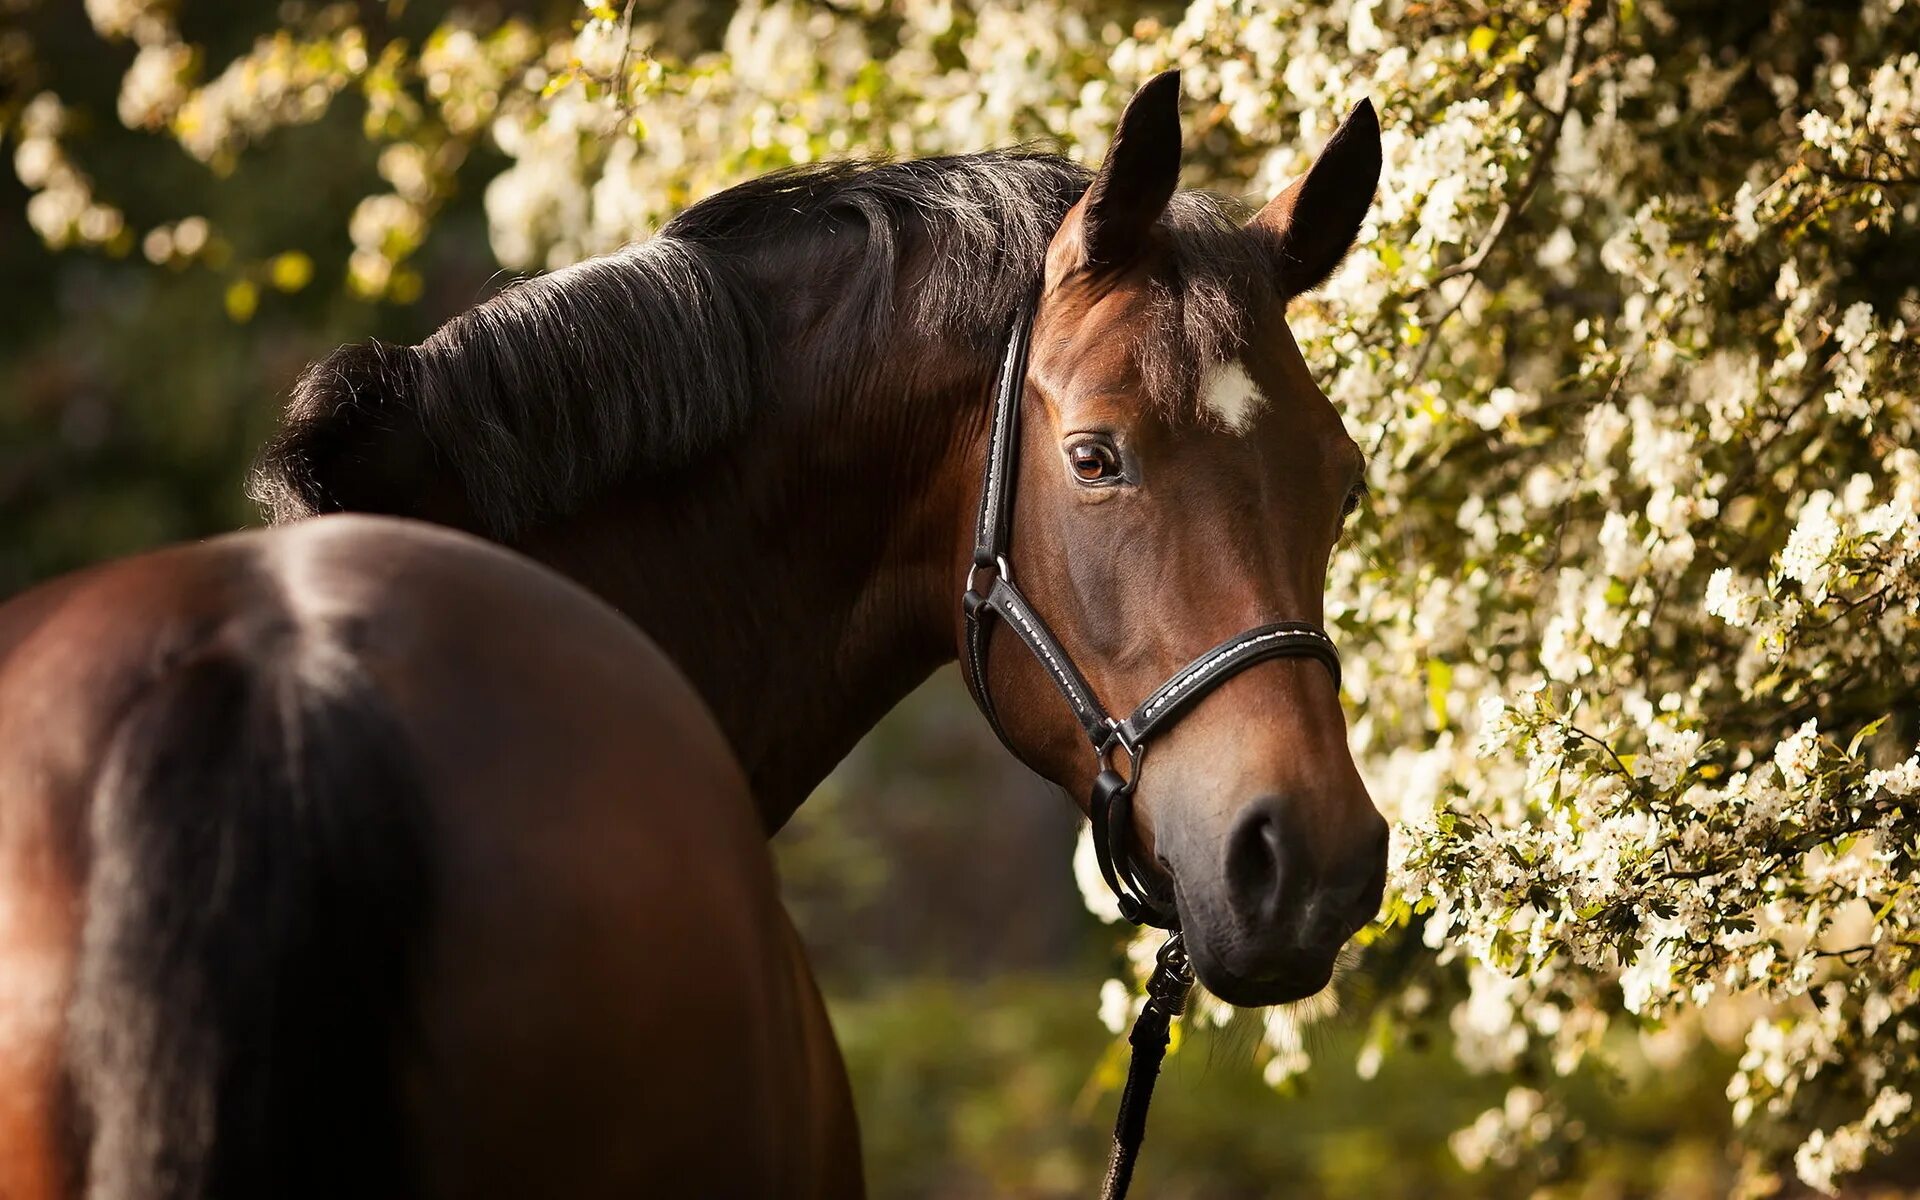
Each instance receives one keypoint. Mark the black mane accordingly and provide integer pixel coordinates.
(644, 359)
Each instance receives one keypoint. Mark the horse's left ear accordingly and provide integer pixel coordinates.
(1312, 224)
(1108, 227)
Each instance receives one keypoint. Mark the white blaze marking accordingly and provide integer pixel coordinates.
(1229, 393)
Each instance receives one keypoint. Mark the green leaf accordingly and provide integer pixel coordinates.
(1866, 731)
(1480, 41)
(242, 299)
(291, 271)
(1439, 684)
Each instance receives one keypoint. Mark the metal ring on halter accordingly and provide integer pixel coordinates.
(1136, 752)
(999, 568)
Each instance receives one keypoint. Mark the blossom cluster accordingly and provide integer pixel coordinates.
(61, 206)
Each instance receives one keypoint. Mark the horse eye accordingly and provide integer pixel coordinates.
(1352, 501)
(1094, 462)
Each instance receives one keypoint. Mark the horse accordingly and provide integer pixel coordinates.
(364, 857)
(760, 435)
(353, 855)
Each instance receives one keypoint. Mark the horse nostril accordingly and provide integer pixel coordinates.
(1279, 890)
(1261, 866)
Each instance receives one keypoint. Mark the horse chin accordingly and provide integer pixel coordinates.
(1261, 992)
(1279, 980)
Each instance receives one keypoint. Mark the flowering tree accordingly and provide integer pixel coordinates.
(1627, 339)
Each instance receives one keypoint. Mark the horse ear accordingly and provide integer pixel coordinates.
(1312, 224)
(1109, 225)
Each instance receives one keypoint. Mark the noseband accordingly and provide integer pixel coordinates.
(990, 592)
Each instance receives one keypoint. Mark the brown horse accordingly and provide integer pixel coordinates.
(354, 858)
(760, 435)
(360, 858)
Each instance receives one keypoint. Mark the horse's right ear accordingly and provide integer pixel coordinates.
(1311, 225)
(1108, 228)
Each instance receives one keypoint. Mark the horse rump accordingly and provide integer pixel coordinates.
(256, 893)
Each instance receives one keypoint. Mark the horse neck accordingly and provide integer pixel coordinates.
(805, 578)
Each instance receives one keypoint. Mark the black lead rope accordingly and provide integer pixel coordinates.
(1167, 991)
(990, 593)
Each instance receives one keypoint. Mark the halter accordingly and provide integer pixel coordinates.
(990, 592)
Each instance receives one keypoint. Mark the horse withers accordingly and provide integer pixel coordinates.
(362, 858)
(761, 434)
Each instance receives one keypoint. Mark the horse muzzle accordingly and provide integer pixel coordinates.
(1265, 910)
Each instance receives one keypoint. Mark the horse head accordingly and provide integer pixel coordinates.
(1181, 479)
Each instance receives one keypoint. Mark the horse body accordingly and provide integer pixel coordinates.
(356, 858)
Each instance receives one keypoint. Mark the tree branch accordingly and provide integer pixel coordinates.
(1577, 19)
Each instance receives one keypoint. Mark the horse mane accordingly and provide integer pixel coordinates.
(643, 360)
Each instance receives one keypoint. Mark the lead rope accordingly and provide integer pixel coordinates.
(1167, 991)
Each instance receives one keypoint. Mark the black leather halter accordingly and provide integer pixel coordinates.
(990, 592)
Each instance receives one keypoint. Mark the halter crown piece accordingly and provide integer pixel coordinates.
(990, 592)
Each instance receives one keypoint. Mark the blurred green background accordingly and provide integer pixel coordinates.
(930, 875)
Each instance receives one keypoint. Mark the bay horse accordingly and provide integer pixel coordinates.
(760, 435)
(355, 856)
(365, 858)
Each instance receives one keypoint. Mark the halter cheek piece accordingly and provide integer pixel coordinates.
(990, 592)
